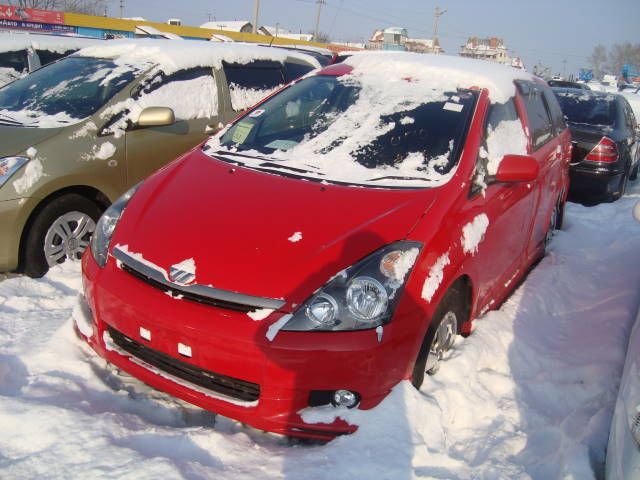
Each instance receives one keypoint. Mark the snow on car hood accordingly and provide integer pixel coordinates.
(261, 234)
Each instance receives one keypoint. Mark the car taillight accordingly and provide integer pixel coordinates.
(604, 151)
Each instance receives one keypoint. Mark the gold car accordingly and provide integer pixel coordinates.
(76, 134)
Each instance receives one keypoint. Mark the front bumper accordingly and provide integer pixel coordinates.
(229, 343)
(13, 217)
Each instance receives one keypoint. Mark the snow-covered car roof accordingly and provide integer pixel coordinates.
(440, 72)
(174, 56)
(10, 42)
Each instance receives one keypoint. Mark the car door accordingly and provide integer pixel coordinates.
(193, 96)
(509, 209)
(546, 148)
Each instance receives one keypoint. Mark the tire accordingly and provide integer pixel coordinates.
(441, 334)
(555, 222)
(634, 173)
(59, 231)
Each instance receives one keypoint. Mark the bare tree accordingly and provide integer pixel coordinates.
(90, 7)
(598, 60)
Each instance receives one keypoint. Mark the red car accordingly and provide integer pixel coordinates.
(332, 241)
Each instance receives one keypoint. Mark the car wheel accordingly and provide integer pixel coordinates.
(61, 230)
(441, 335)
(555, 223)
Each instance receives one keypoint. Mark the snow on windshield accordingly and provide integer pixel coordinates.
(357, 130)
(394, 120)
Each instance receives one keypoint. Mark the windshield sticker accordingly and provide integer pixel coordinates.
(454, 107)
(256, 113)
(241, 132)
(282, 144)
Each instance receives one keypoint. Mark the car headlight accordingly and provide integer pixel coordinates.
(106, 225)
(9, 166)
(363, 296)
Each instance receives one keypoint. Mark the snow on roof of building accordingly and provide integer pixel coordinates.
(442, 72)
(396, 30)
(173, 56)
(231, 26)
(55, 43)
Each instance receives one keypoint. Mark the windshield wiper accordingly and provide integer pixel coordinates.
(392, 177)
(7, 120)
(266, 165)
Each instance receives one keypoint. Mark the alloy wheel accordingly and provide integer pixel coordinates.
(67, 237)
(442, 341)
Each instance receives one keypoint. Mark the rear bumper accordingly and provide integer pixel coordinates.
(287, 370)
(593, 185)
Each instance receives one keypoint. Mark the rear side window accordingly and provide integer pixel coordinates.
(295, 70)
(557, 117)
(251, 82)
(540, 126)
(16, 60)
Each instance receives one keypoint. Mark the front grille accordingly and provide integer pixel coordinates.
(193, 297)
(229, 386)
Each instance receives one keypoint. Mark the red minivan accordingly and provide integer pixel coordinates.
(332, 241)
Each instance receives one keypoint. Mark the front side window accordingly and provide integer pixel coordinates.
(557, 117)
(348, 130)
(189, 93)
(16, 60)
(64, 92)
(540, 124)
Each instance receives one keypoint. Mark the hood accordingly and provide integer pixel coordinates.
(258, 233)
(15, 140)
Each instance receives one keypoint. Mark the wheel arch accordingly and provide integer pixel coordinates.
(90, 193)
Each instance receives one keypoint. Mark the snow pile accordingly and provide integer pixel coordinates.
(106, 151)
(32, 173)
(528, 395)
(8, 75)
(435, 277)
(296, 237)
(443, 72)
(189, 99)
(507, 138)
(12, 42)
(260, 314)
(173, 56)
(243, 98)
(473, 233)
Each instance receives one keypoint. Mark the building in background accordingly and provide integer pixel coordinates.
(397, 38)
(241, 26)
(279, 32)
(492, 49)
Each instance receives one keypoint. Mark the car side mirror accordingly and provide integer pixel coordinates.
(156, 117)
(517, 168)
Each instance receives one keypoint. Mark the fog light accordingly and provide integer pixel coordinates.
(345, 398)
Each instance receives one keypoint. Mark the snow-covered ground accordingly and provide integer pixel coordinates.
(529, 394)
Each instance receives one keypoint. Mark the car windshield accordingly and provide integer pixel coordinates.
(63, 92)
(586, 108)
(347, 130)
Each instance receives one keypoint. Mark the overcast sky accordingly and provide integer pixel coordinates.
(549, 31)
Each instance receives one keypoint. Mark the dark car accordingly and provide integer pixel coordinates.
(605, 144)
(568, 84)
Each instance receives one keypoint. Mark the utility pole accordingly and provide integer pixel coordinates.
(564, 68)
(121, 8)
(256, 11)
(315, 32)
(436, 21)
